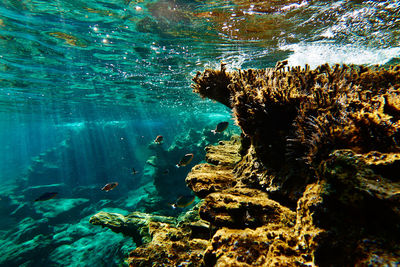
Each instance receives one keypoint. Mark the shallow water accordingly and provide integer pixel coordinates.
(86, 86)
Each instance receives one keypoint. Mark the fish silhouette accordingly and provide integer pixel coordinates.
(159, 139)
(109, 186)
(183, 201)
(220, 127)
(46, 196)
(185, 160)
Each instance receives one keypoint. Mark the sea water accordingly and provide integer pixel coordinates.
(87, 86)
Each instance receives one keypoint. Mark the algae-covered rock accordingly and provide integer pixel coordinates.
(226, 153)
(323, 141)
(135, 225)
(271, 245)
(160, 239)
(295, 117)
(205, 179)
(170, 246)
(358, 210)
(218, 175)
(244, 207)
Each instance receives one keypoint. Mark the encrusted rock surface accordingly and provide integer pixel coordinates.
(161, 240)
(244, 207)
(170, 246)
(271, 245)
(225, 153)
(217, 174)
(312, 181)
(206, 178)
(136, 224)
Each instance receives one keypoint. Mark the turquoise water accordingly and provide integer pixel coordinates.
(86, 86)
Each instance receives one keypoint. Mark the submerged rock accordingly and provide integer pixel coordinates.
(244, 208)
(322, 141)
(206, 178)
(135, 224)
(271, 245)
(170, 246)
(80, 242)
(161, 239)
(28, 253)
(58, 209)
(225, 153)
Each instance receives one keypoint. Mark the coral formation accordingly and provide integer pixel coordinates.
(293, 119)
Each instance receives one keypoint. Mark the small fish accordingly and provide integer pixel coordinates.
(183, 201)
(165, 172)
(47, 196)
(220, 127)
(134, 172)
(109, 186)
(185, 160)
(159, 139)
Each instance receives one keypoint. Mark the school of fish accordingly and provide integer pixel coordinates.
(181, 201)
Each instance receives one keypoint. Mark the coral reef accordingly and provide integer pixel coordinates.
(311, 181)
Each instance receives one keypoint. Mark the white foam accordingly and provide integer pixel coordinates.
(315, 54)
(294, 6)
